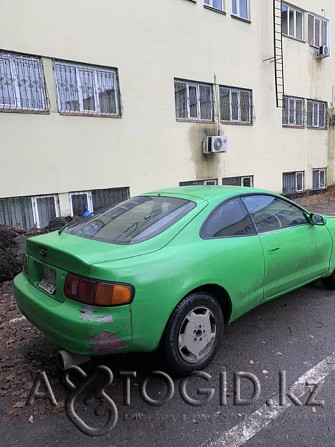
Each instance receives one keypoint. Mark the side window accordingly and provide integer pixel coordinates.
(229, 219)
(271, 213)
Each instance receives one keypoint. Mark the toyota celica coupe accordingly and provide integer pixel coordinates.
(169, 268)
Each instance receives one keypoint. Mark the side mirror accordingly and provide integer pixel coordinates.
(317, 219)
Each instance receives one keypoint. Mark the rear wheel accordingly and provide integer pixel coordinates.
(193, 333)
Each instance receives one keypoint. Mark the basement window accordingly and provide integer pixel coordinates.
(319, 178)
(245, 180)
(293, 182)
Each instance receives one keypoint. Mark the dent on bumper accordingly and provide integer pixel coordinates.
(76, 327)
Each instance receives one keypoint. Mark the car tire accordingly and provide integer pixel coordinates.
(329, 281)
(193, 333)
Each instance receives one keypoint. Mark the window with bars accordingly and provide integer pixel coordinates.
(194, 101)
(215, 4)
(85, 89)
(292, 22)
(316, 114)
(293, 111)
(199, 182)
(293, 182)
(22, 85)
(319, 178)
(318, 31)
(235, 105)
(244, 180)
(240, 8)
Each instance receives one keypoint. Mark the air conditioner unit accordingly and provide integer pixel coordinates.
(215, 144)
(322, 52)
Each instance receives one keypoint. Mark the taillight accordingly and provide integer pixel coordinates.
(95, 292)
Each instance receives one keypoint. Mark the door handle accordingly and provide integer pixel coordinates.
(272, 249)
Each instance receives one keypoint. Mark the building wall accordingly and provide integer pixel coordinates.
(151, 42)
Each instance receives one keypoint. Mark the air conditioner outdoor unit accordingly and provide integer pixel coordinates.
(215, 144)
(323, 51)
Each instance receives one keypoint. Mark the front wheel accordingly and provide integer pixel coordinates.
(193, 333)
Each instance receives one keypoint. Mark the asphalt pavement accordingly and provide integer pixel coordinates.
(243, 399)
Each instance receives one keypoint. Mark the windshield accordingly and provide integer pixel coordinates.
(133, 221)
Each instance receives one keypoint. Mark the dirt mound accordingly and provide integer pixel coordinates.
(12, 248)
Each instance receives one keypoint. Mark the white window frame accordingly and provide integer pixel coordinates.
(249, 177)
(300, 173)
(324, 172)
(238, 12)
(295, 11)
(313, 42)
(35, 207)
(238, 91)
(94, 71)
(197, 85)
(12, 59)
(209, 4)
(292, 102)
(315, 116)
(89, 200)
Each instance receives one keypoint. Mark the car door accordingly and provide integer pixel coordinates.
(295, 250)
(236, 256)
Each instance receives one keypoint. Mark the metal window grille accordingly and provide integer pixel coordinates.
(235, 105)
(293, 111)
(316, 114)
(84, 89)
(246, 180)
(17, 212)
(22, 85)
(193, 101)
(199, 182)
(109, 197)
(293, 182)
(319, 178)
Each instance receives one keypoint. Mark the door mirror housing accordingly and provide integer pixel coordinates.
(317, 219)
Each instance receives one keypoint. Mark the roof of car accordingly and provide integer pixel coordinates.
(207, 191)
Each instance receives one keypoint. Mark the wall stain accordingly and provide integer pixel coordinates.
(206, 166)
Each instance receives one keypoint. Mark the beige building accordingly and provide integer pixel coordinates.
(102, 100)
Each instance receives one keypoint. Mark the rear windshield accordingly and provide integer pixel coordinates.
(132, 221)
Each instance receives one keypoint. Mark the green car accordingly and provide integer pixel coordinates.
(170, 268)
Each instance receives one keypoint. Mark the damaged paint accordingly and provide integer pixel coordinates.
(106, 343)
(87, 312)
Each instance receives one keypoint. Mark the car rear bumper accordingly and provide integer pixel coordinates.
(74, 326)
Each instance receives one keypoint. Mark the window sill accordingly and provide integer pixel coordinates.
(316, 128)
(294, 38)
(215, 10)
(236, 123)
(34, 112)
(241, 19)
(91, 115)
(193, 1)
(194, 121)
(292, 126)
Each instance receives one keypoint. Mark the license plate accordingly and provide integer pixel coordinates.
(48, 283)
